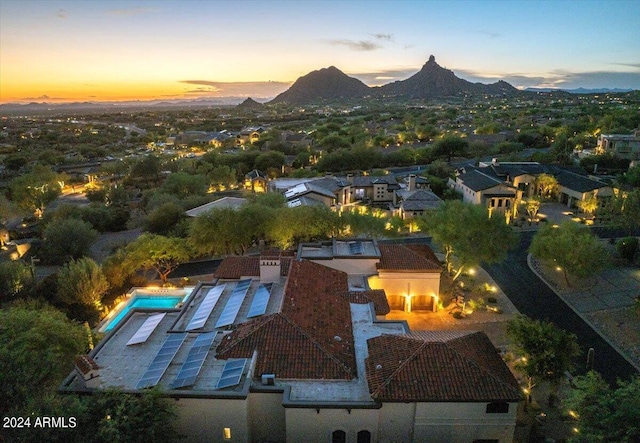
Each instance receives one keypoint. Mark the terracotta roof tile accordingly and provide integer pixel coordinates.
(236, 267)
(312, 338)
(407, 368)
(377, 296)
(284, 349)
(85, 364)
(424, 251)
(402, 258)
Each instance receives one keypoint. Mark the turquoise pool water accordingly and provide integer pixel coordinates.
(149, 302)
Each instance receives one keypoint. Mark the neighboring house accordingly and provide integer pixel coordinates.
(297, 140)
(414, 203)
(303, 358)
(573, 188)
(256, 181)
(480, 188)
(373, 189)
(622, 145)
(501, 186)
(224, 202)
(249, 135)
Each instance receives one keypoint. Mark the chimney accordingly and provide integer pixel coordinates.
(269, 269)
(494, 161)
(349, 178)
(412, 182)
(87, 368)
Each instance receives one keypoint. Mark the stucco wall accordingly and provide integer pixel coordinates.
(204, 420)
(402, 283)
(396, 422)
(267, 417)
(309, 425)
(462, 423)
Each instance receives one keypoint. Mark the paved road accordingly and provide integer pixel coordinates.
(535, 299)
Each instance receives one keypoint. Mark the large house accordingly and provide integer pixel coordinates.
(408, 199)
(623, 145)
(297, 354)
(501, 186)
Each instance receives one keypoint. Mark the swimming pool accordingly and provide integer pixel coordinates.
(148, 299)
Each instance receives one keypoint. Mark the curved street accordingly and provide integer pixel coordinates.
(535, 299)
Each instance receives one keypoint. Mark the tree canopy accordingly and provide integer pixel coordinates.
(15, 279)
(571, 247)
(34, 190)
(156, 252)
(548, 350)
(605, 414)
(82, 282)
(466, 231)
(67, 239)
(37, 347)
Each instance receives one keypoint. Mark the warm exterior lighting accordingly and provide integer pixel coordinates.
(576, 430)
(472, 271)
(573, 414)
(227, 433)
(558, 268)
(526, 390)
(494, 289)
(555, 226)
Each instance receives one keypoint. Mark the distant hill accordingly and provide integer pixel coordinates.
(581, 90)
(250, 103)
(434, 81)
(327, 84)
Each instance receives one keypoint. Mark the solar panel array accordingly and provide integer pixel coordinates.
(161, 362)
(231, 373)
(232, 307)
(146, 329)
(356, 248)
(192, 365)
(260, 300)
(204, 310)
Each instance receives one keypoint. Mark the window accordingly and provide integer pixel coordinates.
(497, 408)
(226, 433)
(499, 202)
(364, 437)
(338, 437)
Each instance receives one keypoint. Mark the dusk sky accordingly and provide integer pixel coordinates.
(122, 50)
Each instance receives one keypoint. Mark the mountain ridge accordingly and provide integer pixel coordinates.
(431, 81)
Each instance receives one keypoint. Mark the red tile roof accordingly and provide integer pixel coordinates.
(85, 364)
(402, 258)
(377, 296)
(236, 267)
(424, 251)
(312, 338)
(467, 368)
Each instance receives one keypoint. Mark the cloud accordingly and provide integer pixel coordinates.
(42, 97)
(490, 34)
(356, 45)
(387, 37)
(561, 79)
(131, 11)
(379, 78)
(244, 89)
(631, 65)
(61, 14)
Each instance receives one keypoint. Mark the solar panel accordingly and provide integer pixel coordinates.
(204, 310)
(161, 362)
(356, 248)
(260, 300)
(231, 373)
(192, 365)
(234, 303)
(146, 329)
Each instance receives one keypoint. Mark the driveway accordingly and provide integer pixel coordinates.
(534, 298)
